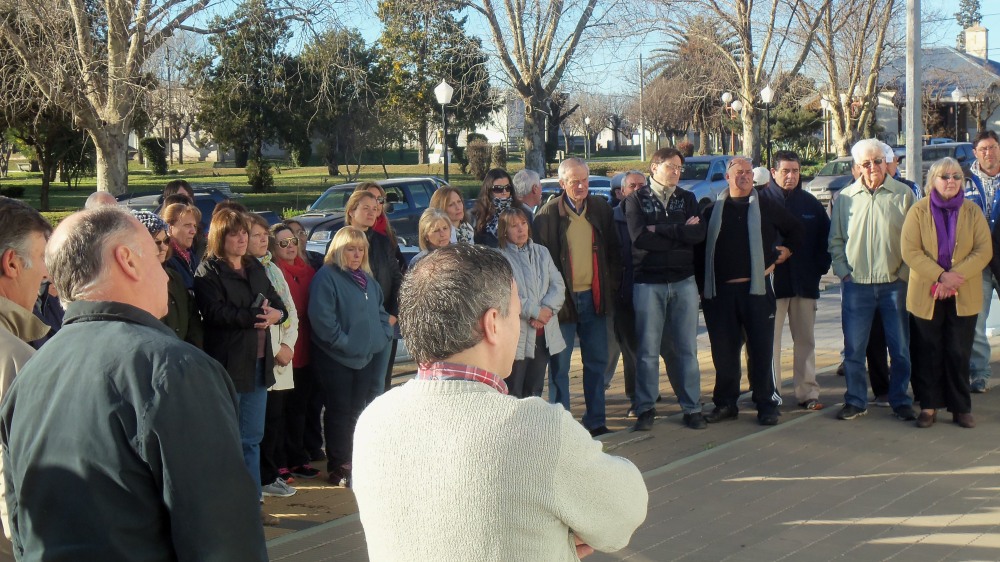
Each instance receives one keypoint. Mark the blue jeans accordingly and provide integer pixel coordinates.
(979, 365)
(857, 309)
(253, 406)
(593, 333)
(666, 323)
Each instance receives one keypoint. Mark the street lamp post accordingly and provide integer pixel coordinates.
(956, 96)
(443, 93)
(767, 96)
(726, 99)
(737, 106)
(825, 104)
(586, 137)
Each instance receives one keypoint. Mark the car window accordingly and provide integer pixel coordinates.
(395, 194)
(335, 200)
(933, 154)
(841, 168)
(695, 171)
(965, 151)
(421, 195)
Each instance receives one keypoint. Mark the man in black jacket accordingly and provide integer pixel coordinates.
(108, 430)
(740, 252)
(664, 226)
(796, 281)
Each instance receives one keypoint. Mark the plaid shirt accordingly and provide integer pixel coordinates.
(442, 371)
(990, 184)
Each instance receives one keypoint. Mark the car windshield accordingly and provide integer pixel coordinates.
(334, 200)
(932, 154)
(695, 170)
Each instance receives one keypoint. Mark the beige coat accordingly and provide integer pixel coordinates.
(973, 250)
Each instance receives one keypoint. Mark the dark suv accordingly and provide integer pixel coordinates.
(206, 197)
(406, 199)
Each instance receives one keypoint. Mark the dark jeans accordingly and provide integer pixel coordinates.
(347, 393)
(272, 446)
(388, 369)
(296, 412)
(941, 364)
(312, 434)
(527, 376)
(877, 355)
(624, 325)
(731, 313)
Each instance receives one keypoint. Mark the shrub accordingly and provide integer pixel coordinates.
(473, 137)
(686, 148)
(499, 156)
(478, 155)
(13, 191)
(259, 176)
(301, 153)
(155, 151)
(599, 169)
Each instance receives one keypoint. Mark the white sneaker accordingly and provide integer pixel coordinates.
(278, 489)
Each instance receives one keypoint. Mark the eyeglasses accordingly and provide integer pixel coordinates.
(161, 243)
(497, 188)
(876, 162)
(674, 167)
(955, 177)
(381, 200)
(988, 148)
(290, 241)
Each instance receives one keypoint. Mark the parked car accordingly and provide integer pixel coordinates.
(599, 185)
(961, 151)
(705, 176)
(406, 199)
(833, 177)
(205, 198)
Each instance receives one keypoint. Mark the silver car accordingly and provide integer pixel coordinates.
(705, 176)
(833, 177)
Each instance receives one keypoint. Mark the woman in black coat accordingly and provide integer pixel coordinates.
(237, 305)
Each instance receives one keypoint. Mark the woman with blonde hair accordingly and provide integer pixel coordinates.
(350, 330)
(434, 231)
(946, 243)
(449, 200)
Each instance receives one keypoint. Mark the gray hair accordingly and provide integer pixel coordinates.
(569, 163)
(864, 147)
(18, 221)
(99, 199)
(524, 181)
(80, 260)
(443, 299)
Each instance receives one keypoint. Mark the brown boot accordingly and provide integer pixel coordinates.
(965, 420)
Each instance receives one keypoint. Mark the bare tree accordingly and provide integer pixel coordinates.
(87, 58)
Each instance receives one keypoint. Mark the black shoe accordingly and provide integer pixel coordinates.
(598, 431)
(722, 413)
(768, 419)
(849, 412)
(659, 398)
(695, 420)
(841, 371)
(904, 413)
(644, 422)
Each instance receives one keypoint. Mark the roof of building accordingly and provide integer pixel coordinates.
(944, 69)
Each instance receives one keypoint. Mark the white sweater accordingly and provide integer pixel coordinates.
(456, 471)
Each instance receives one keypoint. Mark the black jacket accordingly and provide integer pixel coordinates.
(625, 288)
(225, 299)
(800, 275)
(385, 269)
(666, 255)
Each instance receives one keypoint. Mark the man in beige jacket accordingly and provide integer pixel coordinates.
(23, 234)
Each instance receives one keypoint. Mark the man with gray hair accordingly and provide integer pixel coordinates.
(100, 199)
(510, 479)
(106, 445)
(579, 231)
(528, 186)
(23, 235)
(867, 257)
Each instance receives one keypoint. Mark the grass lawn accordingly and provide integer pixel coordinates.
(296, 188)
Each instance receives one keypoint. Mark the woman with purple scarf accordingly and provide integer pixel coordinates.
(946, 243)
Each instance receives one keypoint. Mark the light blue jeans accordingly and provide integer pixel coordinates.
(860, 300)
(253, 406)
(979, 365)
(593, 333)
(666, 325)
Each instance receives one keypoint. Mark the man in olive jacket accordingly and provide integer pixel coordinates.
(107, 431)
(579, 231)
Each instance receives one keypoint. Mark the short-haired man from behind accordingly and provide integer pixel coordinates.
(106, 445)
(796, 281)
(510, 479)
(983, 188)
(664, 227)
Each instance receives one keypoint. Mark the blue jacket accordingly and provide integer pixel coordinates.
(974, 192)
(346, 328)
(800, 275)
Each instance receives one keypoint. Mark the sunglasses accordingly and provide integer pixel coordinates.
(870, 163)
(501, 188)
(955, 177)
(161, 243)
(381, 200)
(290, 241)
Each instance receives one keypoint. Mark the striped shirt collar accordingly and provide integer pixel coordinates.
(442, 371)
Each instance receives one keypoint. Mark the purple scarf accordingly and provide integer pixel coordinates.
(945, 213)
(359, 278)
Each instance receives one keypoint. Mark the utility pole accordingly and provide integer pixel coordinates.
(914, 85)
(642, 125)
(170, 106)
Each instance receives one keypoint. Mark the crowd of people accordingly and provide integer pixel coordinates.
(285, 354)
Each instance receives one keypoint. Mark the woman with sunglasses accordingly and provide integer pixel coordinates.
(496, 196)
(298, 275)
(946, 243)
(182, 312)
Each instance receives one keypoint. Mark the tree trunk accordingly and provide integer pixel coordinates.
(534, 138)
(111, 143)
(422, 152)
(751, 127)
(180, 151)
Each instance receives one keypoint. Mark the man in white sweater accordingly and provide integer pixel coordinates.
(449, 467)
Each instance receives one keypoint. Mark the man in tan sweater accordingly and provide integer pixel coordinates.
(448, 467)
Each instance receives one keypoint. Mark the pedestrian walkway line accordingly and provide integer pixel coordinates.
(315, 529)
(660, 470)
